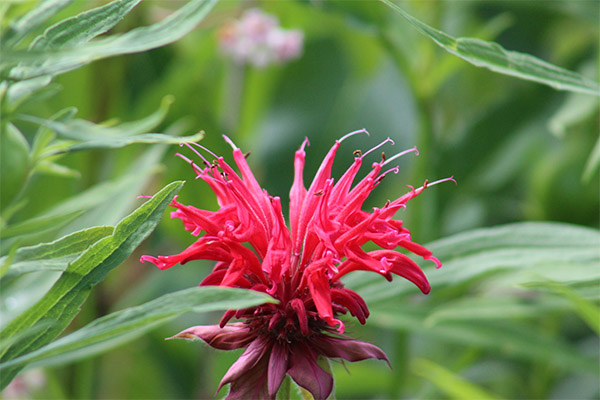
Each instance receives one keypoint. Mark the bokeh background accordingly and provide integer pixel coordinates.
(517, 149)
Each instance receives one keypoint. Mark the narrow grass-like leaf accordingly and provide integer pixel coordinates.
(63, 301)
(35, 63)
(38, 15)
(85, 26)
(147, 138)
(80, 129)
(494, 57)
(119, 327)
(492, 308)
(514, 339)
(593, 163)
(587, 310)
(54, 255)
(40, 224)
(450, 383)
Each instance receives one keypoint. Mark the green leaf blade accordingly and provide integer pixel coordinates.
(494, 57)
(125, 325)
(61, 304)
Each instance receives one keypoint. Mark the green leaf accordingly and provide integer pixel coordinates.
(54, 255)
(14, 162)
(85, 26)
(63, 301)
(491, 308)
(494, 57)
(592, 164)
(104, 203)
(40, 224)
(450, 383)
(587, 310)
(122, 326)
(35, 63)
(37, 16)
(514, 339)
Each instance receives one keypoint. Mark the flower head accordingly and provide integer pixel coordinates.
(301, 266)
(256, 38)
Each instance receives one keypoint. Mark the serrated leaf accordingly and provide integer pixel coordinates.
(122, 326)
(55, 61)
(63, 301)
(450, 383)
(84, 26)
(54, 255)
(494, 57)
(37, 16)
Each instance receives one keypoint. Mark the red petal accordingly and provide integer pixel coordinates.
(306, 372)
(230, 337)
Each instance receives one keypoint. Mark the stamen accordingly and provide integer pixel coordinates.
(143, 196)
(357, 153)
(196, 168)
(395, 170)
(389, 160)
(305, 143)
(427, 184)
(247, 155)
(388, 140)
(196, 151)
(346, 136)
(205, 149)
(230, 142)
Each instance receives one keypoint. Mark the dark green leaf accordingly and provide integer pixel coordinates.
(122, 326)
(494, 57)
(85, 26)
(54, 255)
(40, 13)
(55, 61)
(63, 301)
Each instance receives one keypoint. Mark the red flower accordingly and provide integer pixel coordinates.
(301, 266)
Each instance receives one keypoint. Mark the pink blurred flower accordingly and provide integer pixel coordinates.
(257, 39)
(301, 266)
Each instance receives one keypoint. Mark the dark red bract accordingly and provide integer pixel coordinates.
(301, 266)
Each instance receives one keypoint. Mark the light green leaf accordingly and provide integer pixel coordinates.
(54, 255)
(38, 14)
(587, 310)
(592, 164)
(514, 339)
(14, 162)
(122, 326)
(55, 61)
(494, 57)
(85, 26)
(40, 224)
(63, 301)
(491, 308)
(450, 383)
(146, 138)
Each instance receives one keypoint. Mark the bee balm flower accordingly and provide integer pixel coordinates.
(301, 266)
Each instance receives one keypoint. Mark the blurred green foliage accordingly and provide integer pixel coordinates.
(520, 151)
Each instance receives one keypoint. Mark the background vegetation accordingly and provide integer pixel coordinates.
(512, 314)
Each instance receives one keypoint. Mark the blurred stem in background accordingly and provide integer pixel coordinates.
(233, 93)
